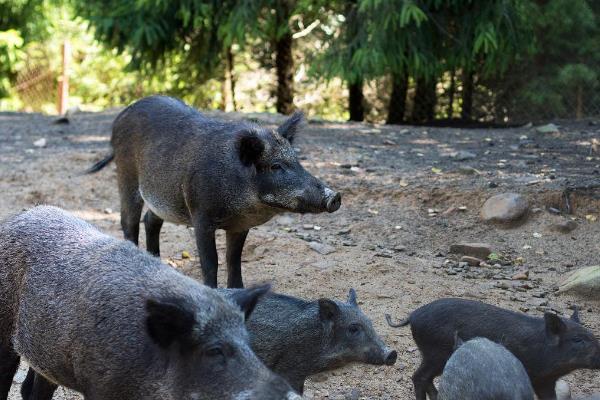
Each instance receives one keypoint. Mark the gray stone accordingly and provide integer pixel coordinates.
(565, 226)
(478, 250)
(321, 248)
(548, 128)
(504, 208)
(464, 155)
(584, 281)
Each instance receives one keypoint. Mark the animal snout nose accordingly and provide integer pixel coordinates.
(333, 200)
(390, 358)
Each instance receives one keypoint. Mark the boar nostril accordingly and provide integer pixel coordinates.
(391, 357)
(334, 202)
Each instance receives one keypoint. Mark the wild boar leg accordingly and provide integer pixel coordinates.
(36, 387)
(131, 207)
(152, 223)
(9, 362)
(235, 244)
(207, 250)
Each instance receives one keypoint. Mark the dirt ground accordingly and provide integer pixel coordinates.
(402, 193)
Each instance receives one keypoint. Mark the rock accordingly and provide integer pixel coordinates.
(473, 261)
(19, 377)
(477, 250)
(285, 220)
(521, 276)
(464, 155)
(584, 281)
(353, 395)
(40, 142)
(565, 226)
(548, 128)
(504, 208)
(538, 302)
(321, 248)
(563, 390)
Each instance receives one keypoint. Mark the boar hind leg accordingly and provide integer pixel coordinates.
(131, 207)
(152, 223)
(235, 244)
(423, 378)
(9, 363)
(36, 387)
(545, 390)
(207, 250)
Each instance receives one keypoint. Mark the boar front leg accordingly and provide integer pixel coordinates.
(235, 244)
(36, 387)
(207, 250)
(545, 390)
(9, 363)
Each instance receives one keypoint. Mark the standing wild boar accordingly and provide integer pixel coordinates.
(548, 347)
(483, 370)
(99, 316)
(194, 170)
(297, 338)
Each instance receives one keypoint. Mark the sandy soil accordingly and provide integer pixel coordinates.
(389, 245)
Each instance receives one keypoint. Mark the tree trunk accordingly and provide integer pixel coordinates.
(230, 65)
(467, 96)
(451, 92)
(579, 109)
(284, 64)
(355, 101)
(425, 100)
(397, 105)
(228, 84)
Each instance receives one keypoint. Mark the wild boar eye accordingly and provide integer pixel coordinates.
(214, 351)
(276, 167)
(354, 329)
(577, 340)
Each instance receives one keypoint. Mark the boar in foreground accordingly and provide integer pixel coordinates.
(483, 370)
(202, 172)
(297, 338)
(548, 347)
(99, 316)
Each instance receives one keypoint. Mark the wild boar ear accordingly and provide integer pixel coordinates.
(328, 310)
(575, 316)
(457, 340)
(250, 147)
(247, 299)
(555, 326)
(168, 321)
(291, 126)
(352, 297)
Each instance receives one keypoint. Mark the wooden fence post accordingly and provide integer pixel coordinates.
(63, 80)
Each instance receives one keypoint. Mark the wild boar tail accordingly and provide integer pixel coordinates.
(402, 323)
(100, 164)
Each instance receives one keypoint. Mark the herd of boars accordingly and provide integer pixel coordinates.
(100, 316)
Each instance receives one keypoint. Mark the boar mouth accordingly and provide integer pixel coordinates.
(385, 357)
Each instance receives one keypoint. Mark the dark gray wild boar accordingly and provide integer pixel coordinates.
(548, 347)
(99, 316)
(202, 172)
(483, 370)
(297, 338)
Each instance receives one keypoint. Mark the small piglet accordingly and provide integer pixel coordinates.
(548, 347)
(297, 338)
(194, 170)
(483, 370)
(97, 315)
